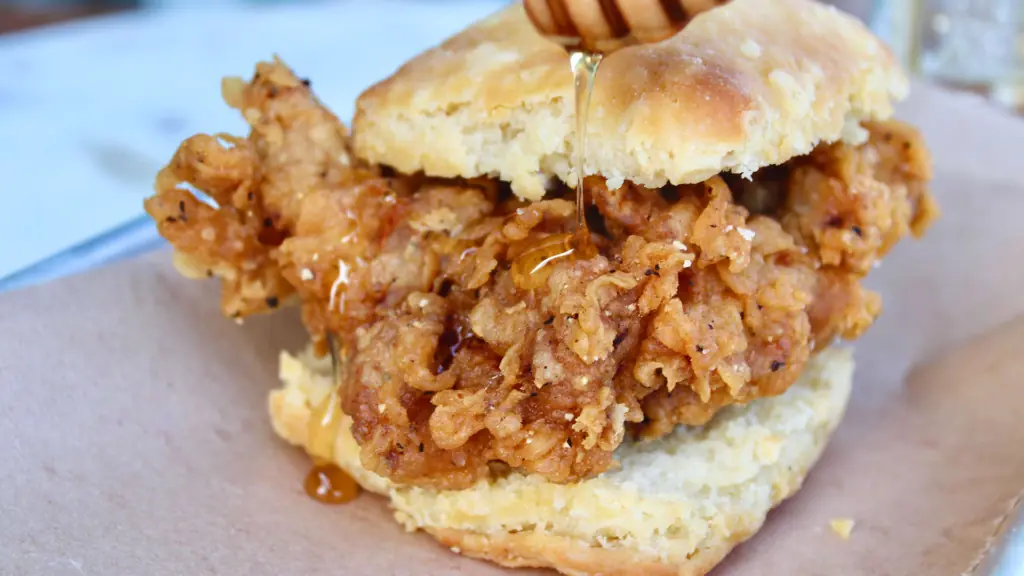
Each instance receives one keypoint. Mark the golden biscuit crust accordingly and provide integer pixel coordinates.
(576, 556)
(746, 85)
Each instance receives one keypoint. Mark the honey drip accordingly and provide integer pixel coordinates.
(326, 482)
(584, 72)
(532, 267)
(324, 422)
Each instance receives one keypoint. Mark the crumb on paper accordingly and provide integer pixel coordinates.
(842, 527)
(456, 549)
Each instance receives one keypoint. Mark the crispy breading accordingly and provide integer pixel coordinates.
(455, 366)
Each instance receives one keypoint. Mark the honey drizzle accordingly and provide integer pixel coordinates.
(329, 484)
(533, 265)
(584, 67)
(324, 422)
(326, 482)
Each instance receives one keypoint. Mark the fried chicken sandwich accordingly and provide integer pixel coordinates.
(635, 411)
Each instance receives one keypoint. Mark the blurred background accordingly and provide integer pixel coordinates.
(95, 95)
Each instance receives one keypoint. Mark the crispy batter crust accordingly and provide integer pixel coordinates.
(696, 297)
(747, 85)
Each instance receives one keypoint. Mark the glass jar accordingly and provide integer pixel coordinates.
(976, 45)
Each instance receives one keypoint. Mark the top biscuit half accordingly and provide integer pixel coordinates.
(750, 84)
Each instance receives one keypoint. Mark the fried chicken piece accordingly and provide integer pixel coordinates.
(693, 304)
(850, 205)
(252, 187)
(457, 365)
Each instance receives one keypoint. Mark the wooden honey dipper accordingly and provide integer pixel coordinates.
(603, 26)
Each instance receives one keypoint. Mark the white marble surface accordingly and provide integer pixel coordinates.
(90, 111)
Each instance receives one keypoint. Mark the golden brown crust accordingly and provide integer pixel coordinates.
(689, 304)
(576, 557)
(750, 84)
(296, 149)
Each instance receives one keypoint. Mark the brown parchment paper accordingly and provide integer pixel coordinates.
(134, 437)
